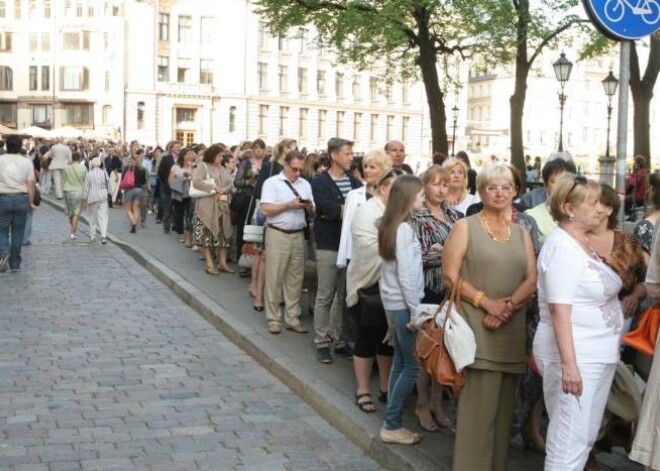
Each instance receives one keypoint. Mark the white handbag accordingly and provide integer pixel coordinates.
(252, 233)
(196, 192)
(245, 261)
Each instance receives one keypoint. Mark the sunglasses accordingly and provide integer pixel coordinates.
(578, 180)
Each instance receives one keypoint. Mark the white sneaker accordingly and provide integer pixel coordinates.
(74, 237)
(92, 239)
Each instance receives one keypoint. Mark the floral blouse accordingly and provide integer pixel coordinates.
(431, 230)
(627, 260)
(644, 232)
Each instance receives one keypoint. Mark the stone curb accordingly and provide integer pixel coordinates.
(327, 402)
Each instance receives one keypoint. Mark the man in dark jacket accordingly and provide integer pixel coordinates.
(167, 161)
(330, 189)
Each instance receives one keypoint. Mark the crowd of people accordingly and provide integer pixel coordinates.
(547, 284)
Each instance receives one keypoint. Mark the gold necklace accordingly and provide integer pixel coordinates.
(490, 232)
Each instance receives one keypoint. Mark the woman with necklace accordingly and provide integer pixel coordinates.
(432, 224)
(645, 228)
(494, 259)
(458, 196)
(576, 345)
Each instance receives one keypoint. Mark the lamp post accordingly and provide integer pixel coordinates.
(562, 69)
(454, 112)
(610, 84)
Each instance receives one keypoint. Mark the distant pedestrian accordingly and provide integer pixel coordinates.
(60, 155)
(73, 179)
(95, 197)
(16, 200)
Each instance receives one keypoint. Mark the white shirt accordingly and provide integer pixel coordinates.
(567, 275)
(354, 200)
(468, 201)
(15, 172)
(276, 191)
(61, 155)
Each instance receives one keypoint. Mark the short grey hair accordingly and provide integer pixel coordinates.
(494, 172)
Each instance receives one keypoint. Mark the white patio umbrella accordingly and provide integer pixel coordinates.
(68, 132)
(36, 131)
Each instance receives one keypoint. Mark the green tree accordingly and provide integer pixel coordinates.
(641, 88)
(405, 37)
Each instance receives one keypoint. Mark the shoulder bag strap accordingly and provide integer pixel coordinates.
(288, 183)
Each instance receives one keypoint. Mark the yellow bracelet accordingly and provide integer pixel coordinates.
(476, 301)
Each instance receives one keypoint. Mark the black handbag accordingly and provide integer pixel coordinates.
(108, 189)
(240, 200)
(37, 196)
(372, 312)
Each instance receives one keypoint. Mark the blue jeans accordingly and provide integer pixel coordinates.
(28, 228)
(13, 213)
(404, 368)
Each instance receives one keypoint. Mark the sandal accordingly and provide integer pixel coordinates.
(431, 426)
(211, 271)
(363, 405)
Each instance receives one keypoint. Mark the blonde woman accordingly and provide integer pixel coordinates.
(459, 197)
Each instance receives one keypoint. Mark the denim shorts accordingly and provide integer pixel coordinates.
(134, 194)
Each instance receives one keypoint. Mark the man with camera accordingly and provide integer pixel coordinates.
(286, 202)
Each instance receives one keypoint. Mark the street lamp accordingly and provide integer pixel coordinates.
(610, 84)
(563, 69)
(454, 112)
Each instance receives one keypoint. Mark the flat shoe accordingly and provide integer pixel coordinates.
(298, 328)
(401, 436)
(226, 270)
(258, 308)
(211, 271)
(274, 328)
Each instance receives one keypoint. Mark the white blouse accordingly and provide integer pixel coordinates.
(567, 275)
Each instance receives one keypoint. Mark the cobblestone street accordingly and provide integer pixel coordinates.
(103, 367)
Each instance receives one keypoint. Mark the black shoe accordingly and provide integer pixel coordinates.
(132, 228)
(346, 351)
(159, 221)
(323, 355)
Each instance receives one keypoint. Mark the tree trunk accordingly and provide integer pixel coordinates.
(428, 64)
(641, 89)
(517, 100)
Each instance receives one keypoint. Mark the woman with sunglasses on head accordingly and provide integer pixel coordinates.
(494, 259)
(576, 345)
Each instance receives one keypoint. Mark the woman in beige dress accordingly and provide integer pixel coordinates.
(495, 260)
(212, 225)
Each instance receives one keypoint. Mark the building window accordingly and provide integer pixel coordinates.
(185, 29)
(302, 80)
(405, 96)
(183, 70)
(3, 9)
(284, 120)
(390, 127)
(17, 9)
(47, 9)
(186, 116)
(45, 77)
(373, 89)
(163, 26)
(206, 29)
(32, 8)
(76, 41)
(140, 115)
(79, 9)
(339, 85)
(357, 126)
(262, 75)
(106, 80)
(34, 79)
(323, 119)
(232, 119)
(388, 93)
(45, 42)
(206, 71)
(373, 127)
(74, 78)
(282, 42)
(106, 113)
(283, 73)
(340, 123)
(302, 122)
(5, 42)
(34, 42)
(263, 119)
(8, 115)
(356, 87)
(262, 36)
(405, 129)
(79, 115)
(6, 78)
(303, 34)
(320, 82)
(163, 69)
(90, 11)
(106, 41)
(41, 115)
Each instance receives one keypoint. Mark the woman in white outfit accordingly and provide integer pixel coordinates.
(95, 197)
(576, 345)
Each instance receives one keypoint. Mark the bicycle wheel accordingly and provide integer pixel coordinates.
(652, 14)
(614, 10)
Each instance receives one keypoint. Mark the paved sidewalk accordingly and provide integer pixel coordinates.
(224, 301)
(104, 367)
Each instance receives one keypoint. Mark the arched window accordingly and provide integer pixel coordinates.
(232, 119)
(107, 115)
(140, 115)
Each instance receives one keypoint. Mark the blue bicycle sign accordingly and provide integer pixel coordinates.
(624, 19)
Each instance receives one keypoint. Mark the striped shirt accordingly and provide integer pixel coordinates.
(344, 185)
(96, 186)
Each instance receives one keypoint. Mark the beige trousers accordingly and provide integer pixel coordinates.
(285, 270)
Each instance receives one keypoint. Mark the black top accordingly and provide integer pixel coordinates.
(268, 169)
(166, 164)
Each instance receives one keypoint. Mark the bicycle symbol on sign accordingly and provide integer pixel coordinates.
(649, 10)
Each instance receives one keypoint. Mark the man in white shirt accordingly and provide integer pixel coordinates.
(16, 200)
(60, 155)
(286, 202)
